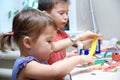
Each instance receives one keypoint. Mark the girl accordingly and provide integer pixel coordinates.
(33, 31)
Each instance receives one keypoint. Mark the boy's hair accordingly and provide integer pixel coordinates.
(48, 5)
(29, 22)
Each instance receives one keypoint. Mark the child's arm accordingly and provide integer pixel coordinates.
(65, 43)
(55, 71)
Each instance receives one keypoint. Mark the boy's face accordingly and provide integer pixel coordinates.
(43, 47)
(60, 14)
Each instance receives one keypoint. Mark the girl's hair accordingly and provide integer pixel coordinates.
(48, 5)
(29, 22)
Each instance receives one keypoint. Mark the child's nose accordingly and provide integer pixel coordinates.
(66, 17)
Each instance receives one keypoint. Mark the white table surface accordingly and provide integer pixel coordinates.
(86, 74)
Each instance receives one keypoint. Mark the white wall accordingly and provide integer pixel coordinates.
(106, 13)
(5, 7)
(79, 15)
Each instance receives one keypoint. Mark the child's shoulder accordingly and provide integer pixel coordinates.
(23, 61)
(62, 33)
(20, 63)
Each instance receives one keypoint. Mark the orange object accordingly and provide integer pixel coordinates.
(115, 57)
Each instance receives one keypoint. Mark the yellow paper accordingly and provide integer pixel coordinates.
(93, 47)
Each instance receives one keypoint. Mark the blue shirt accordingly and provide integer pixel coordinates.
(20, 63)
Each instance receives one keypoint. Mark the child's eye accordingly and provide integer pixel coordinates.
(61, 13)
(49, 41)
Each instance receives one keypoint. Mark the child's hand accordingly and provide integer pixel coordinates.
(85, 59)
(89, 35)
(73, 53)
(87, 44)
(87, 38)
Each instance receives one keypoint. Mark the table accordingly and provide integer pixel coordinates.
(86, 74)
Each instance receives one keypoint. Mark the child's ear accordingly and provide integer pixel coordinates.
(27, 42)
(45, 11)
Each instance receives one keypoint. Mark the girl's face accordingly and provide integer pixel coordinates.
(42, 48)
(60, 14)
